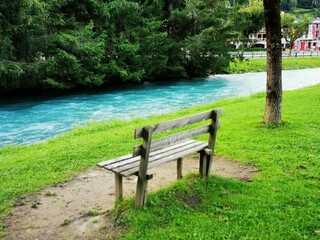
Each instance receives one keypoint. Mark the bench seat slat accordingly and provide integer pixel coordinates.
(177, 155)
(115, 160)
(153, 155)
(118, 162)
(113, 167)
(166, 156)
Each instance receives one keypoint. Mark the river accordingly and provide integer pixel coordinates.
(26, 121)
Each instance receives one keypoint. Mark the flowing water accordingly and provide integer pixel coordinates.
(26, 121)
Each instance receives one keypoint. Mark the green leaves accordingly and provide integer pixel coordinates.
(77, 44)
(293, 28)
(10, 72)
(76, 57)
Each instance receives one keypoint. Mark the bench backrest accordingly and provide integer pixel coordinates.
(148, 145)
(146, 132)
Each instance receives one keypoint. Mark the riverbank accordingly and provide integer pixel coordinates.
(282, 198)
(260, 65)
(246, 66)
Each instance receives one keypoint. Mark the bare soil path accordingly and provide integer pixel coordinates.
(69, 210)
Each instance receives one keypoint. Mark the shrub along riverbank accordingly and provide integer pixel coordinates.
(248, 65)
(281, 203)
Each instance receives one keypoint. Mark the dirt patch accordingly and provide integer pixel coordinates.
(76, 209)
(192, 201)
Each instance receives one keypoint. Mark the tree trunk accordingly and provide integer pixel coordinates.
(273, 111)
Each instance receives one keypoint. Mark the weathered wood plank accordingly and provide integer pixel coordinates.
(116, 167)
(179, 168)
(215, 124)
(176, 123)
(118, 186)
(209, 159)
(137, 149)
(158, 160)
(172, 146)
(202, 164)
(161, 153)
(118, 159)
(179, 137)
(118, 162)
(143, 168)
(121, 161)
(196, 146)
(176, 156)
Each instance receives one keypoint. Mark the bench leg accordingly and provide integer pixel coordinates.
(141, 196)
(203, 164)
(141, 192)
(145, 193)
(179, 168)
(209, 164)
(118, 186)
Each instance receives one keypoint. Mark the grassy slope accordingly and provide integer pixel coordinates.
(281, 203)
(260, 65)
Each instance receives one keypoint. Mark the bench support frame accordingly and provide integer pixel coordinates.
(118, 186)
(172, 147)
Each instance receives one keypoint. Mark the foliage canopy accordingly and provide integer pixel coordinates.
(75, 44)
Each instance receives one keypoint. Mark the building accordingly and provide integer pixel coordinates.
(259, 39)
(310, 40)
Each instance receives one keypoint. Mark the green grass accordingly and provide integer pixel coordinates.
(260, 64)
(281, 203)
(255, 49)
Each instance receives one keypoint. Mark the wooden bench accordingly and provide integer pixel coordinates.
(173, 147)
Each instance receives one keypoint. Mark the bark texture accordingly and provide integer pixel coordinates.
(272, 17)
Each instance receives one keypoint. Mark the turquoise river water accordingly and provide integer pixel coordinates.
(27, 121)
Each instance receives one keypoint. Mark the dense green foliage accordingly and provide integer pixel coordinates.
(286, 5)
(308, 4)
(72, 44)
(252, 16)
(310, 13)
(281, 203)
(66, 44)
(291, 5)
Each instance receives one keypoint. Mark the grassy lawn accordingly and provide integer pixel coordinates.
(260, 64)
(281, 203)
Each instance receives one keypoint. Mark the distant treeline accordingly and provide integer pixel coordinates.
(290, 5)
(70, 44)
